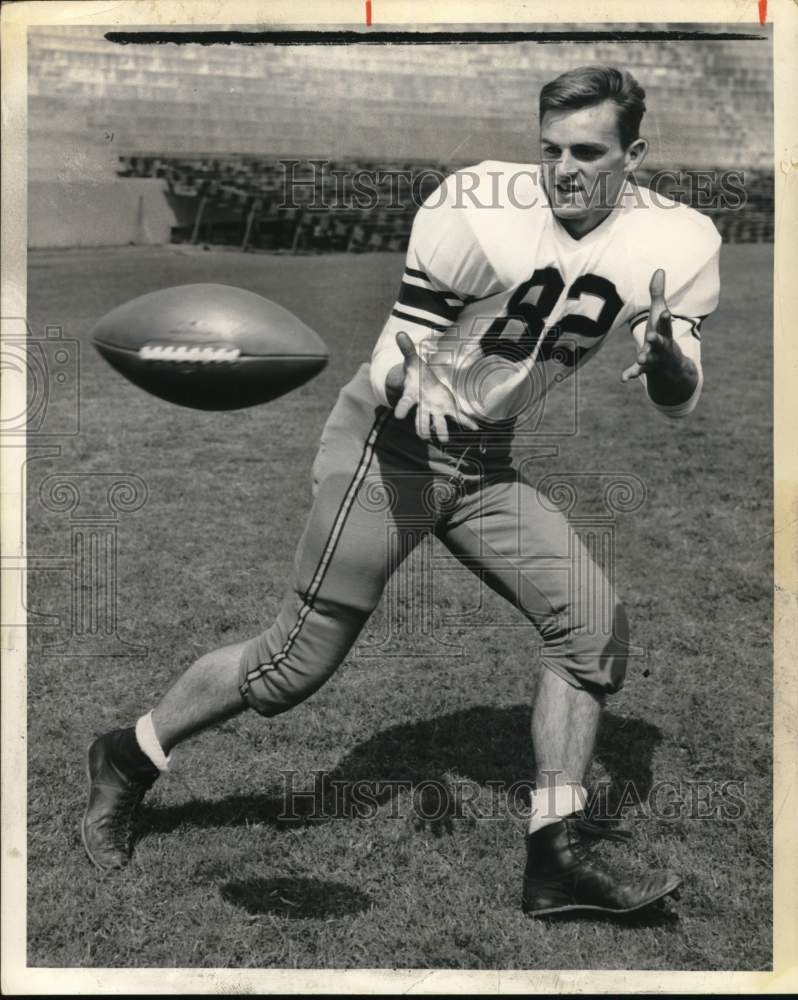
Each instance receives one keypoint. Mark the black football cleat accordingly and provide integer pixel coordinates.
(119, 777)
(562, 876)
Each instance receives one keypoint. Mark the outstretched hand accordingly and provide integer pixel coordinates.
(434, 402)
(658, 350)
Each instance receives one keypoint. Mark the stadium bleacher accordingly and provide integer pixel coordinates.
(216, 123)
(256, 205)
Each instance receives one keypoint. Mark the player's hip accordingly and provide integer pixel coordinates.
(358, 418)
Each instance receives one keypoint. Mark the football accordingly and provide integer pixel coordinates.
(210, 347)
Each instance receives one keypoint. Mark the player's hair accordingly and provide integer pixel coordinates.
(589, 85)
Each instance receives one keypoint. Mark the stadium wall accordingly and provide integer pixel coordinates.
(93, 103)
(101, 213)
(709, 101)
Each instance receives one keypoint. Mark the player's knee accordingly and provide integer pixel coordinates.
(592, 655)
(272, 690)
(288, 662)
(274, 682)
(614, 652)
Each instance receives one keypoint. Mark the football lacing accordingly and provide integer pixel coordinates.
(183, 353)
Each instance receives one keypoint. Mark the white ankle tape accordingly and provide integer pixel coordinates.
(149, 744)
(552, 803)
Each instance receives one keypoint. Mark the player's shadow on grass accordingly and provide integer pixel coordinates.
(489, 748)
(295, 898)
(650, 916)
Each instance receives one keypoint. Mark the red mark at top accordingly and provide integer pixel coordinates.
(763, 11)
(368, 10)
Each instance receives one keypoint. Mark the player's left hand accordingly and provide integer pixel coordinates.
(659, 351)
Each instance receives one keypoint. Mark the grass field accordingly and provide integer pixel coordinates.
(219, 879)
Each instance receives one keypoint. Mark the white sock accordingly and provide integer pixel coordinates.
(148, 742)
(550, 804)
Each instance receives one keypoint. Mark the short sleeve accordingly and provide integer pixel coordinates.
(444, 271)
(687, 248)
(686, 245)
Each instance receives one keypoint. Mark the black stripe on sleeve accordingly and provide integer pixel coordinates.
(418, 320)
(428, 300)
(414, 273)
(694, 321)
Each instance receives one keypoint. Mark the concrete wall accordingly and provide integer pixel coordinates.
(112, 212)
(91, 101)
(709, 102)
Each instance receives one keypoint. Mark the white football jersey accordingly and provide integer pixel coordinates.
(504, 304)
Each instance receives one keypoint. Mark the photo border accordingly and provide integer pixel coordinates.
(384, 14)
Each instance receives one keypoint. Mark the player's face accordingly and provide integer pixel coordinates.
(584, 163)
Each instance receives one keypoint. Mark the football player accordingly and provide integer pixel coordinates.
(515, 277)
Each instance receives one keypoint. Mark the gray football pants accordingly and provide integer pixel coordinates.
(379, 489)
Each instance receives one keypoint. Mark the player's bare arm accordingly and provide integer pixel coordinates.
(671, 378)
(413, 383)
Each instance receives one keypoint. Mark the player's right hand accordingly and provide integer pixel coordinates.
(434, 402)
